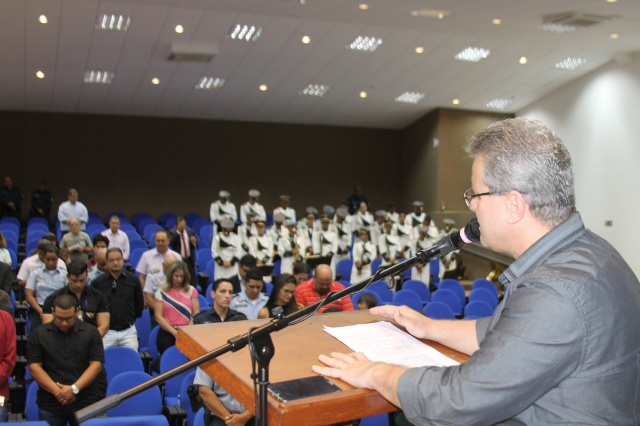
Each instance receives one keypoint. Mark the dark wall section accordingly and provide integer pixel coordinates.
(134, 164)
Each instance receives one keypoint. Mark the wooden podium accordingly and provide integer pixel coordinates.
(296, 349)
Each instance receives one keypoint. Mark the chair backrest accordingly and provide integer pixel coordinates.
(10, 219)
(167, 216)
(143, 327)
(185, 401)
(190, 218)
(486, 284)
(434, 271)
(152, 346)
(204, 303)
(203, 256)
(207, 294)
(478, 309)
(206, 233)
(14, 259)
(375, 265)
(170, 359)
(455, 286)
(37, 219)
(448, 297)
(198, 417)
(118, 359)
(343, 268)
(381, 288)
(158, 420)
(9, 234)
(419, 287)
(438, 310)
(268, 288)
(485, 295)
(148, 402)
(211, 266)
(143, 223)
(408, 298)
(138, 244)
(277, 268)
(139, 217)
(32, 407)
(135, 255)
(12, 298)
(198, 224)
(377, 420)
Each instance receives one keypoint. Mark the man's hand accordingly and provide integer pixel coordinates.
(415, 322)
(65, 396)
(354, 368)
(238, 419)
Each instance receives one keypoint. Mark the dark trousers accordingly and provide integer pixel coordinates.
(165, 340)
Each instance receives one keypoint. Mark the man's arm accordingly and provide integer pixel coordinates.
(102, 321)
(46, 383)
(214, 404)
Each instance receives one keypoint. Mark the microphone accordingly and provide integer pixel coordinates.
(454, 241)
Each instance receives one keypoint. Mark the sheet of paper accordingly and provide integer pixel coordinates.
(382, 341)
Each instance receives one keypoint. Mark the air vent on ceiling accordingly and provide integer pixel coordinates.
(575, 19)
(192, 52)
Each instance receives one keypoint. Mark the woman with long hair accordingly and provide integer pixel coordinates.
(282, 296)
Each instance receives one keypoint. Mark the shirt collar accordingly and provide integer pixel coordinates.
(558, 237)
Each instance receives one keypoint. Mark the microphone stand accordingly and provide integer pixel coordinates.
(260, 341)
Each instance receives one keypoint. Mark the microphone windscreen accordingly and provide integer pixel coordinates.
(471, 232)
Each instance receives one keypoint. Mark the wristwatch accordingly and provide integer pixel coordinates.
(75, 389)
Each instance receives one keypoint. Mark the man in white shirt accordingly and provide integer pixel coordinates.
(223, 208)
(151, 260)
(72, 209)
(251, 300)
(117, 238)
(36, 262)
(252, 206)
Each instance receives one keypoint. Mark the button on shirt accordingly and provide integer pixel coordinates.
(44, 282)
(250, 308)
(120, 240)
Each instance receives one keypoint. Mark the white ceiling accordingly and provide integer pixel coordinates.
(69, 45)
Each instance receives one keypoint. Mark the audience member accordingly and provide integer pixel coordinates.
(284, 209)
(239, 280)
(247, 230)
(389, 246)
(417, 216)
(421, 272)
(319, 287)
(41, 202)
(302, 271)
(252, 206)
(377, 228)
(177, 303)
(355, 200)
(226, 250)
(289, 248)
(306, 227)
(222, 209)
(42, 282)
(367, 301)
(5, 256)
(343, 230)
(116, 237)
(261, 244)
(156, 281)
(65, 357)
(10, 199)
(36, 261)
(392, 213)
(99, 242)
(251, 300)
(221, 293)
(151, 260)
(5, 304)
(282, 299)
(92, 303)
(402, 230)
(125, 300)
(221, 408)
(364, 251)
(276, 231)
(325, 243)
(184, 241)
(75, 243)
(8, 281)
(7, 356)
(100, 266)
(72, 208)
(362, 220)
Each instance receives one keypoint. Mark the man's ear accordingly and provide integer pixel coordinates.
(516, 206)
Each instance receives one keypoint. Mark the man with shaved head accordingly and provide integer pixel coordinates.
(319, 287)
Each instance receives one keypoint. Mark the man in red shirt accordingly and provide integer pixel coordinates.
(317, 289)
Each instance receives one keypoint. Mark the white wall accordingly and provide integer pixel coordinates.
(598, 118)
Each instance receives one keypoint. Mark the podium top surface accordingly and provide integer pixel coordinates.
(296, 349)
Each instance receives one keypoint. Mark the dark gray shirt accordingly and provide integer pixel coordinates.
(562, 347)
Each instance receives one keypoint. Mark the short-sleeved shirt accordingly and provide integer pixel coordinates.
(124, 296)
(92, 302)
(155, 281)
(64, 357)
(211, 316)
(177, 305)
(44, 282)
(69, 240)
(93, 273)
(151, 261)
(34, 262)
(307, 295)
(251, 308)
(229, 402)
(120, 240)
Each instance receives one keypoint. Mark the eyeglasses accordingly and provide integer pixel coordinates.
(469, 195)
(67, 320)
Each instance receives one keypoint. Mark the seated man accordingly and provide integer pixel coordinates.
(65, 356)
(251, 300)
(221, 293)
(221, 408)
(319, 287)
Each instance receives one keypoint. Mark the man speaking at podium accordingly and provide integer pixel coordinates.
(564, 344)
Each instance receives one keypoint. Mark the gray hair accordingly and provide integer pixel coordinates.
(525, 155)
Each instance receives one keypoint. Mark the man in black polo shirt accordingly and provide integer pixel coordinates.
(222, 293)
(64, 357)
(93, 307)
(124, 296)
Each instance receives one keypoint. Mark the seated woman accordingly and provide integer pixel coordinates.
(178, 304)
(282, 296)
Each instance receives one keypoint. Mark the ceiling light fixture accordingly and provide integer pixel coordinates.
(263, 87)
(39, 74)
(473, 54)
(155, 80)
(209, 83)
(113, 22)
(614, 36)
(363, 94)
(557, 28)
(456, 101)
(363, 6)
(306, 39)
(315, 90)
(496, 21)
(179, 29)
(431, 13)
(570, 63)
(43, 19)
(499, 103)
(410, 97)
(523, 60)
(365, 44)
(98, 77)
(419, 49)
(245, 33)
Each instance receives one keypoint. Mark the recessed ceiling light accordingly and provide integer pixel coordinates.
(363, 94)
(365, 44)
(306, 39)
(209, 83)
(43, 19)
(496, 21)
(557, 28)
(615, 36)
(456, 101)
(315, 90)
(431, 13)
(419, 49)
(39, 74)
(98, 77)
(570, 63)
(499, 103)
(363, 6)
(523, 60)
(113, 22)
(473, 54)
(410, 97)
(612, 1)
(245, 33)
(263, 87)
(179, 29)
(155, 80)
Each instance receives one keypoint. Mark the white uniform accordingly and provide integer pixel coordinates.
(364, 252)
(389, 248)
(220, 210)
(285, 250)
(245, 232)
(255, 208)
(425, 274)
(261, 247)
(325, 243)
(226, 248)
(287, 212)
(343, 231)
(415, 219)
